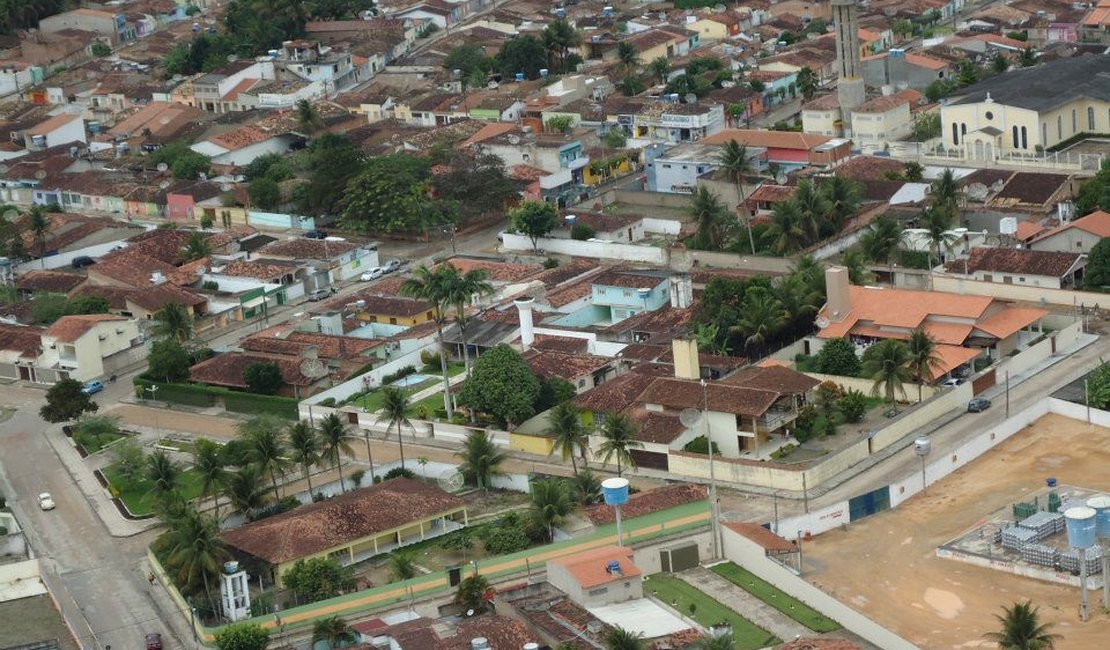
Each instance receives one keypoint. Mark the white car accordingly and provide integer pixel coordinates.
(372, 274)
(46, 502)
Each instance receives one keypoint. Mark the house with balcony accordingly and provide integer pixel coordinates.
(616, 295)
(87, 347)
(671, 121)
(328, 66)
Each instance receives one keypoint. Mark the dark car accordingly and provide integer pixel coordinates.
(154, 641)
(316, 234)
(81, 261)
(978, 404)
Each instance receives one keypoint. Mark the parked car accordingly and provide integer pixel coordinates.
(978, 404)
(81, 261)
(320, 294)
(391, 266)
(154, 641)
(92, 387)
(46, 502)
(952, 382)
(372, 274)
(316, 234)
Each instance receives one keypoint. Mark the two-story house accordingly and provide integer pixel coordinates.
(622, 295)
(90, 346)
(333, 259)
(672, 121)
(113, 26)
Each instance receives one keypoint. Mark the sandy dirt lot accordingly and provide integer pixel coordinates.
(886, 566)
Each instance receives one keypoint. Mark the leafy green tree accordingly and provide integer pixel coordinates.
(568, 437)
(88, 305)
(95, 427)
(615, 139)
(468, 59)
(585, 488)
(631, 85)
(129, 460)
(551, 503)
(464, 289)
(40, 225)
(887, 364)
(474, 180)
(168, 361)
(334, 632)
(1000, 63)
(926, 126)
(317, 578)
(686, 84)
(534, 219)
(259, 25)
(481, 458)
(660, 68)
(968, 73)
(263, 377)
(737, 163)
(903, 28)
(723, 642)
(622, 639)
(525, 54)
(247, 491)
(618, 434)
(308, 118)
(1027, 58)
(48, 307)
(853, 405)
(172, 321)
(628, 57)
(881, 239)
(243, 636)
(838, 357)
(333, 439)
(65, 402)
(1096, 275)
(939, 89)
(390, 194)
(402, 565)
(503, 385)
(100, 49)
(807, 82)
(1021, 629)
(559, 124)
(761, 317)
(395, 413)
(473, 592)
(558, 37)
(333, 161)
(264, 193)
(209, 464)
(924, 357)
(262, 166)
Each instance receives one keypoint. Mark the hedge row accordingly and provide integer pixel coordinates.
(206, 396)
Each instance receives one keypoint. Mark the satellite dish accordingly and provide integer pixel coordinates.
(690, 418)
(165, 185)
(40, 174)
(3, 169)
(691, 98)
(822, 322)
(163, 167)
(453, 482)
(514, 139)
(313, 368)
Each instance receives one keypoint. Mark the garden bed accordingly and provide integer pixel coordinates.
(139, 497)
(692, 602)
(776, 598)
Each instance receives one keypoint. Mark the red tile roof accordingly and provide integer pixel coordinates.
(68, 329)
(646, 503)
(336, 522)
(678, 394)
(24, 340)
(762, 536)
(153, 298)
(1016, 260)
(303, 248)
(590, 568)
(570, 367)
(227, 369)
(52, 281)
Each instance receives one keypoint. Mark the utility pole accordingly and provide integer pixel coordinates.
(713, 505)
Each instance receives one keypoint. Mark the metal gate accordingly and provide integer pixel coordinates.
(868, 504)
(650, 459)
(673, 560)
(980, 384)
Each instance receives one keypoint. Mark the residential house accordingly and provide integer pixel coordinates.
(350, 527)
(964, 326)
(618, 295)
(448, 633)
(334, 259)
(333, 68)
(154, 125)
(20, 347)
(714, 26)
(115, 27)
(242, 145)
(901, 69)
(67, 128)
(1078, 236)
(65, 47)
(623, 228)
(580, 370)
(1034, 268)
(671, 121)
(440, 14)
(218, 91)
(16, 76)
(89, 347)
(129, 269)
(42, 281)
(790, 150)
(678, 169)
(882, 120)
(228, 369)
(597, 577)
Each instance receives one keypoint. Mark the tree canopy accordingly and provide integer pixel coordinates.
(390, 194)
(534, 219)
(502, 385)
(317, 578)
(263, 377)
(65, 402)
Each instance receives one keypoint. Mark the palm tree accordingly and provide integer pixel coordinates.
(628, 57)
(435, 288)
(468, 286)
(551, 502)
(334, 631)
(723, 642)
(622, 639)
(558, 37)
(923, 356)
(480, 458)
(172, 321)
(856, 263)
(304, 445)
(886, 364)
(196, 247)
(585, 488)
(618, 435)
(709, 215)
(472, 591)
(39, 224)
(265, 445)
(843, 196)
(807, 82)
(402, 566)
(761, 318)
(813, 210)
(1027, 58)
(661, 67)
(246, 489)
(163, 473)
(736, 162)
(209, 464)
(395, 412)
(564, 425)
(936, 223)
(333, 439)
(195, 552)
(944, 194)
(308, 118)
(799, 300)
(1022, 630)
(881, 239)
(785, 232)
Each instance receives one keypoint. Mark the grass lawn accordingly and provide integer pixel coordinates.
(93, 444)
(776, 598)
(707, 611)
(139, 498)
(183, 446)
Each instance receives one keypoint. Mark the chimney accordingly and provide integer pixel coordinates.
(836, 292)
(527, 333)
(686, 365)
(682, 291)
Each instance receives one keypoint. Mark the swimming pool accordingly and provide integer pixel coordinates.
(410, 380)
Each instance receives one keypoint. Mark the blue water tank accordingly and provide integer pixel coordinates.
(520, 76)
(1101, 506)
(615, 491)
(1082, 527)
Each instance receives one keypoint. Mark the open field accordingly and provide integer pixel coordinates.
(886, 565)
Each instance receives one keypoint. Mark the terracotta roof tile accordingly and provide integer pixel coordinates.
(590, 568)
(1016, 260)
(330, 524)
(905, 308)
(616, 394)
(1030, 188)
(561, 344)
(153, 298)
(570, 367)
(656, 427)
(68, 329)
(1096, 223)
(497, 270)
(646, 503)
(762, 536)
(24, 340)
(821, 644)
(227, 369)
(775, 378)
(131, 267)
(947, 333)
(258, 270)
(303, 248)
(52, 281)
(1008, 321)
(679, 394)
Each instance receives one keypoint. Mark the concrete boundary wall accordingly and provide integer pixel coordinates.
(864, 385)
(752, 557)
(596, 249)
(922, 415)
(1042, 295)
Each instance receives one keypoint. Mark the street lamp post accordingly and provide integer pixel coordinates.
(713, 506)
(153, 390)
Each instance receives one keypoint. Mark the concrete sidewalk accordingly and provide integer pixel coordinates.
(745, 604)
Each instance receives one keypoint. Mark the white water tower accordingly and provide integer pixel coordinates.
(615, 492)
(235, 593)
(1081, 529)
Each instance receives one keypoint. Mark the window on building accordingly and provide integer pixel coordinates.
(1024, 138)
(1074, 122)
(955, 134)
(1044, 133)
(599, 591)
(963, 129)
(1059, 127)
(599, 418)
